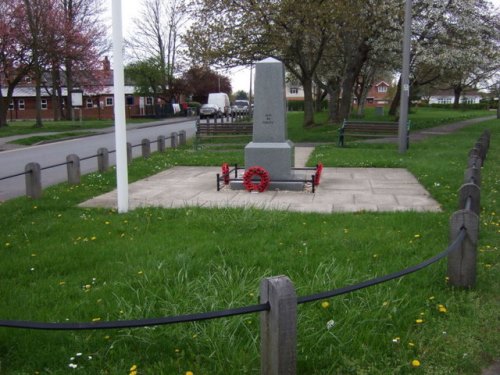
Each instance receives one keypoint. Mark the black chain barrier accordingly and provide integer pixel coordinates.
(230, 312)
(65, 163)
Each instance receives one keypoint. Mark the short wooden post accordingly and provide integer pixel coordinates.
(474, 192)
(278, 327)
(472, 175)
(33, 180)
(73, 168)
(173, 139)
(474, 161)
(102, 159)
(146, 148)
(462, 261)
(161, 143)
(182, 137)
(129, 152)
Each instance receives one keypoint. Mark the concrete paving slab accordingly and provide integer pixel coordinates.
(340, 190)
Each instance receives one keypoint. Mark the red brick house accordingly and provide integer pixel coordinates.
(378, 95)
(97, 99)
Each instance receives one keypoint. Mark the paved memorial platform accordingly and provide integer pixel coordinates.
(340, 190)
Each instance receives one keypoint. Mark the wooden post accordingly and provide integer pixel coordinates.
(33, 180)
(102, 159)
(462, 261)
(173, 140)
(161, 143)
(182, 137)
(474, 161)
(73, 168)
(146, 148)
(129, 152)
(278, 327)
(472, 175)
(474, 192)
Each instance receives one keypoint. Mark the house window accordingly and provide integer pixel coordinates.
(21, 105)
(149, 100)
(444, 100)
(90, 103)
(130, 100)
(45, 104)
(109, 101)
(382, 89)
(11, 105)
(294, 90)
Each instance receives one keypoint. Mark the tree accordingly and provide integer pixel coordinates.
(157, 38)
(201, 81)
(147, 77)
(240, 95)
(84, 42)
(231, 33)
(448, 41)
(43, 26)
(15, 57)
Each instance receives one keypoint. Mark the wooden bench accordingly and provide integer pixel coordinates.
(210, 130)
(370, 129)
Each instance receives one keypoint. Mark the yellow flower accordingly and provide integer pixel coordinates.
(417, 236)
(96, 319)
(133, 368)
(415, 363)
(419, 321)
(189, 373)
(442, 309)
(325, 304)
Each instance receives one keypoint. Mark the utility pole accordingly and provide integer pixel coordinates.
(405, 80)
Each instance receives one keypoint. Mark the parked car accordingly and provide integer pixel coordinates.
(221, 100)
(242, 106)
(209, 110)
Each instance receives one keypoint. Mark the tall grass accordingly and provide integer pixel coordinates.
(63, 263)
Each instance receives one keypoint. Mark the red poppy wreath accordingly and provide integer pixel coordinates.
(250, 173)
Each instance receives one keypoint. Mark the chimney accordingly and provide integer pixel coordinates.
(106, 65)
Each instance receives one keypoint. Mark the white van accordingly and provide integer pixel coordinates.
(221, 100)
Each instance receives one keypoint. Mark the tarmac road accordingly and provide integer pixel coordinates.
(14, 160)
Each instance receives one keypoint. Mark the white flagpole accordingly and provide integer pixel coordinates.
(119, 108)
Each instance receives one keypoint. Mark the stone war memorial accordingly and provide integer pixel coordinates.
(270, 155)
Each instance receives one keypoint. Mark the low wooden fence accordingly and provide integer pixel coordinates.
(33, 170)
(278, 299)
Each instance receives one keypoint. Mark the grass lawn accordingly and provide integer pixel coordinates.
(63, 263)
(26, 127)
(420, 118)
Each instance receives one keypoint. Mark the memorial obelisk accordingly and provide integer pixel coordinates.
(270, 147)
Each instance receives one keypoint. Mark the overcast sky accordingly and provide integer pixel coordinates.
(240, 77)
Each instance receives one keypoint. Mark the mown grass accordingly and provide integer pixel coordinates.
(420, 118)
(27, 126)
(44, 138)
(63, 263)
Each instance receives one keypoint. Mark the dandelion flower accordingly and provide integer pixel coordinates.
(419, 321)
(189, 373)
(442, 309)
(133, 368)
(417, 236)
(325, 304)
(96, 319)
(415, 363)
